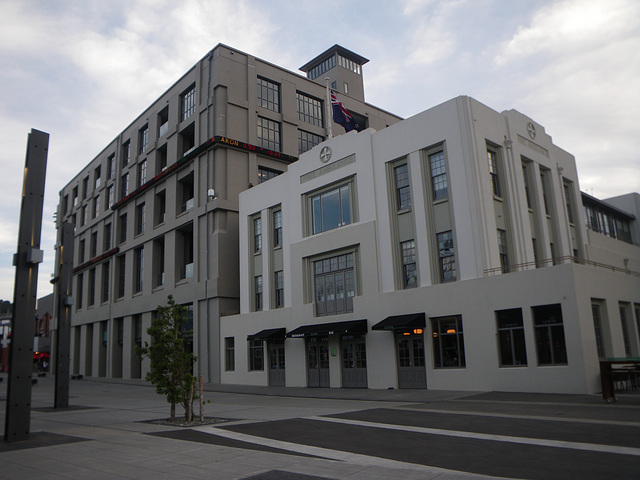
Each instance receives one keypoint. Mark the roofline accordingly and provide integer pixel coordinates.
(359, 59)
(607, 206)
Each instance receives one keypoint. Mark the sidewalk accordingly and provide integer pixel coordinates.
(105, 433)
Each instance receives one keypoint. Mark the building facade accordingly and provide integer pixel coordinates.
(453, 250)
(156, 211)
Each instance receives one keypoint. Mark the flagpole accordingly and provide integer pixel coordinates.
(328, 109)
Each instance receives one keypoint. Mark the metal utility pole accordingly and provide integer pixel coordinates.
(63, 299)
(26, 260)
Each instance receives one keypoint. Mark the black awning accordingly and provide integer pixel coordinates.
(401, 322)
(354, 327)
(268, 334)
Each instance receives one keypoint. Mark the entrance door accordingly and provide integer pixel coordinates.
(354, 361)
(276, 362)
(318, 362)
(412, 372)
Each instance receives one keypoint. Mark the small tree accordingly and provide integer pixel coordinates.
(171, 365)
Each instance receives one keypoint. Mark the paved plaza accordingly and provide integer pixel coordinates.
(271, 433)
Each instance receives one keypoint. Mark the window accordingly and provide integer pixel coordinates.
(306, 141)
(257, 234)
(124, 185)
(446, 254)
(95, 208)
(160, 207)
(158, 262)
(81, 252)
(106, 235)
(277, 228)
(142, 173)
(331, 209)
(309, 110)
(143, 139)
(567, 199)
(161, 159)
(109, 198)
(409, 272)
(229, 354)
(105, 282)
(123, 227)
(268, 134)
(597, 327)
(279, 289)
(625, 330)
(493, 172)
(403, 191)
(93, 246)
(83, 216)
(163, 122)
(544, 174)
(334, 284)
(268, 95)
(121, 272)
(526, 167)
(439, 182)
(325, 66)
(258, 292)
(265, 174)
(188, 103)
(504, 252)
(186, 193)
(184, 251)
(79, 285)
(140, 210)
(74, 196)
(256, 355)
(139, 269)
(97, 176)
(513, 351)
(126, 153)
(348, 64)
(85, 187)
(549, 331)
(111, 166)
(448, 342)
(91, 293)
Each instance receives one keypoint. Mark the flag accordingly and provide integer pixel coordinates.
(341, 116)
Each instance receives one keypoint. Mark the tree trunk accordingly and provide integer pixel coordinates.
(173, 412)
(189, 409)
(201, 400)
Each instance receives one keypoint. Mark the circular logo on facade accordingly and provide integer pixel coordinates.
(532, 130)
(325, 154)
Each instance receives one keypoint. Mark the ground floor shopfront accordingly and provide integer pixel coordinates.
(542, 330)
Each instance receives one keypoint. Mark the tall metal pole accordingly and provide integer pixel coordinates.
(64, 269)
(26, 260)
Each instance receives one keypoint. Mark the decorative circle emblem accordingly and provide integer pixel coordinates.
(325, 154)
(532, 130)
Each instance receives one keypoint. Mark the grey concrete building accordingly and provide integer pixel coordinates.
(156, 211)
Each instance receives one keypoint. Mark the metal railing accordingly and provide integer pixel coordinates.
(518, 267)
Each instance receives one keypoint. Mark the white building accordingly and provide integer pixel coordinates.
(448, 251)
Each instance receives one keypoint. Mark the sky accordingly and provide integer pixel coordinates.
(82, 70)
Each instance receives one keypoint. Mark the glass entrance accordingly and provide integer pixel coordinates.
(412, 371)
(275, 350)
(354, 361)
(318, 362)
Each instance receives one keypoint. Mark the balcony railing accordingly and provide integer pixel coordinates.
(518, 267)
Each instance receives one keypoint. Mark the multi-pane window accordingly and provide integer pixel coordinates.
(331, 209)
(409, 271)
(439, 183)
(268, 134)
(403, 190)
(95, 207)
(277, 228)
(140, 214)
(492, 158)
(446, 255)
(163, 122)
(318, 70)
(111, 166)
(334, 284)
(597, 327)
(229, 354)
(124, 185)
(257, 286)
(309, 110)
(109, 199)
(448, 342)
(143, 137)
(257, 234)
(265, 174)
(503, 250)
(126, 153)
(160, 207)
(256, 355)
(513, 351)
(278, 283)
(306, 141)
(85, 187)
(142, 173)
(549, 330)
(139, 269)
(567, 199)
(97, 176)
(268, 95)
(188, 103)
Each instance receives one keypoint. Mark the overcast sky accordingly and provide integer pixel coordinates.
(82, 70)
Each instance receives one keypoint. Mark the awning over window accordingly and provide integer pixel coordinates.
(401, 322)
(268, 334)
(353, 327)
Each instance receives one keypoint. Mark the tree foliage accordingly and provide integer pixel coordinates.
(171, 366)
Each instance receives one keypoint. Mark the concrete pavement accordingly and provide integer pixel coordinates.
(106, 432)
